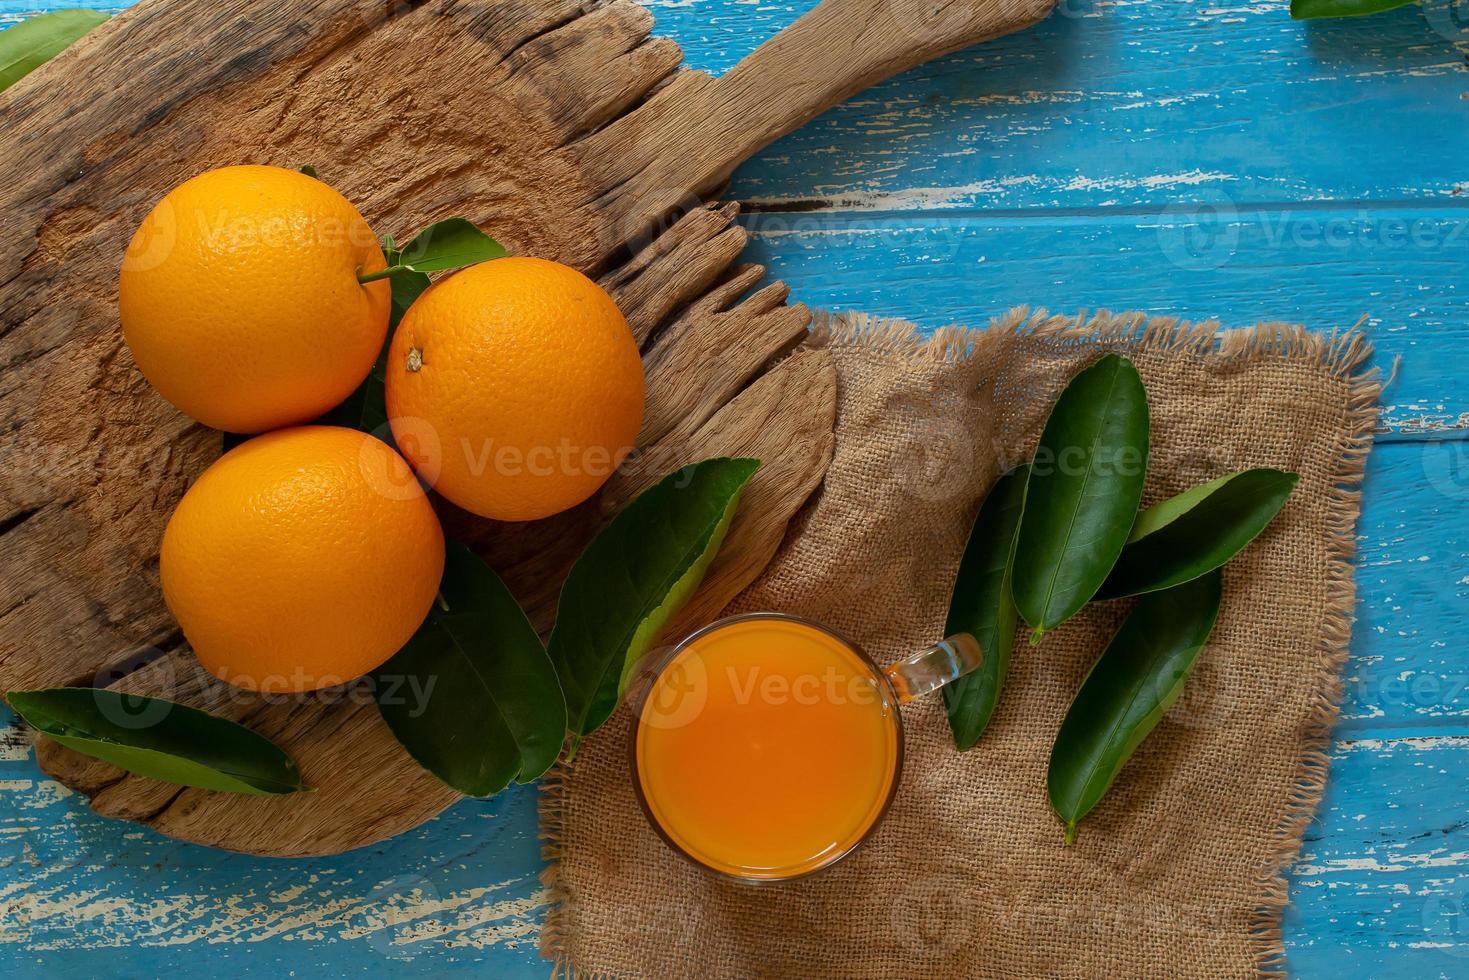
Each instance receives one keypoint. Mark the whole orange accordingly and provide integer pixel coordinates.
(515, 388)
(240, 302)
(302, 559)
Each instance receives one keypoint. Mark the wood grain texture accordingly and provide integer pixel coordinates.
(537, 161)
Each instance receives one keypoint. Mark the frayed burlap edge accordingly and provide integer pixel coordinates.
(1342, 352)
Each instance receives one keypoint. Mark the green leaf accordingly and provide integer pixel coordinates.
(407, 287)
(1310, 9)
(1085, 484)
(309, 171)
(1137, 678)
(31, 43)
(1167, 511)
(473, 696)
(633, 577)
(981, 606)
(159, 739)
(1197, 531)
(449, 244)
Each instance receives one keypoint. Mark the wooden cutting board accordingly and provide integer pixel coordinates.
(565, 130)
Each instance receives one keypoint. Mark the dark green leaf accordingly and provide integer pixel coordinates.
(31, 43)
(473, 696)
(1309, 9)
(449, 244)
(407, 287)
(981, 606)
(159, 739)
(1085, 484)
(1195, 532)
(1137, 678)
(633, 577)
(1167, 511)
(310, 171)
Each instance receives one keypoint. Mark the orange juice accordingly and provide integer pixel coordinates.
(767, 748)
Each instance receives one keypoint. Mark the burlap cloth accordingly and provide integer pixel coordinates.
(1178, 871)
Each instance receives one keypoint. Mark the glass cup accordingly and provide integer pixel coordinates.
(766, 747)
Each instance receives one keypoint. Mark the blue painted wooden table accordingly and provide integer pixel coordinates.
(1195, 157)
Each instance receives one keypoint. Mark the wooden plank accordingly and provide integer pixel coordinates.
(1116, 103)
(1408, 674)
(1401, 268)
(1379, 889)
(449, 897)
(1382, 883)
(1110, 104)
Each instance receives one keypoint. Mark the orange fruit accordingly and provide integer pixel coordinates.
(301, 559)
(515, 388)
(240, 302)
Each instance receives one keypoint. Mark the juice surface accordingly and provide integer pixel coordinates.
(766, 749)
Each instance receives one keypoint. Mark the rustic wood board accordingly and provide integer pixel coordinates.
(564, 128)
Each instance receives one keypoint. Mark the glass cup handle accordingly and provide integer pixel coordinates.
(928, 670)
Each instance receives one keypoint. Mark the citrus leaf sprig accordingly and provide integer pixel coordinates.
(408, 284)
(983, 608)
(1127, 691)
(1181, 538)
(449, 244)
(1081, 499)
(367, 408)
